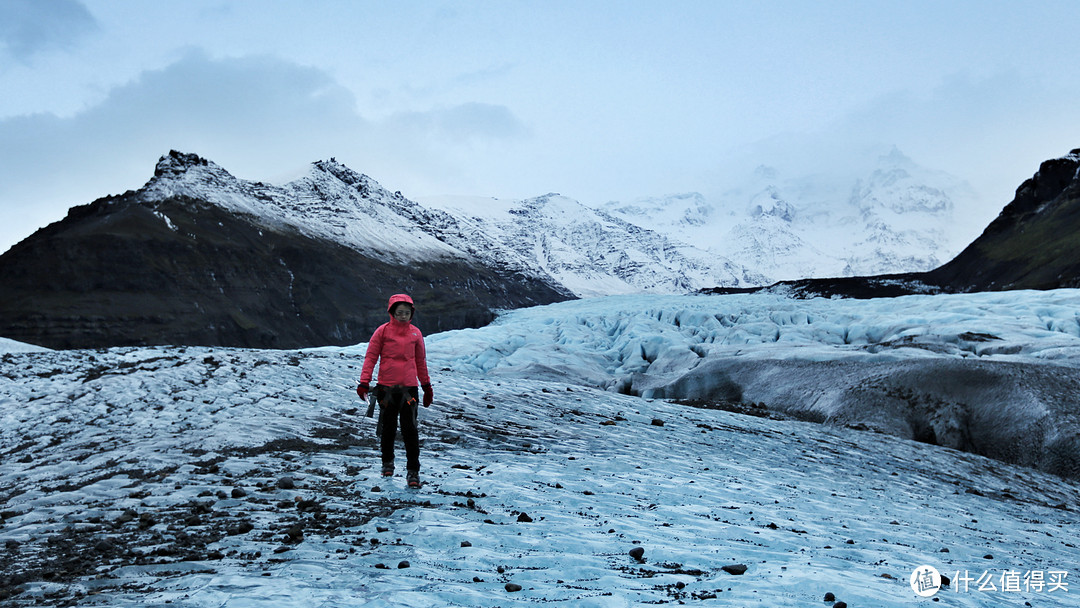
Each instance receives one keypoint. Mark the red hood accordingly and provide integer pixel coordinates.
(398, 298)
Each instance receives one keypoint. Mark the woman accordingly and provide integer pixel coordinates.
(398, 346)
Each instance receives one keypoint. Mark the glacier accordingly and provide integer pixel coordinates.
(992, 373)
(198, 477)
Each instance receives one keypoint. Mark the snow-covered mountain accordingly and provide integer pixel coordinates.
(551, 238)
(894, 217)
(1030, 245)
(591, 252)
(197, 477)
(307, 262)
(330, 202)
(198, 256)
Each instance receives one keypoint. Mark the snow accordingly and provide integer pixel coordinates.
(590, 252)
(885, 215)
(329, 201)
(1005, 326)
(12, 346)
(196, 442)
(993, 373)
(883, 219)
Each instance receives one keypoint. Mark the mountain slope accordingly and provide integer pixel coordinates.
(888, 217)
(1033, 244)
(200, 257)
(592, 252)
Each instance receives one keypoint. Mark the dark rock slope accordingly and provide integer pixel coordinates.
(1033, 244)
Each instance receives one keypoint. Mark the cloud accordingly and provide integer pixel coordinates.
(253, 116)
(465, 123)
(990, 129)
(29, 27)
(259, 117)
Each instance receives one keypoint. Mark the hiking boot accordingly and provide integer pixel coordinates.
(388, 469)
(413, 479)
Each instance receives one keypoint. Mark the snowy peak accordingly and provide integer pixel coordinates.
(332, 202)
(198, 256)
(888, 217)
(360, 183)
(179, 170)
(900, 186)
(683, 210)
(770, 203)
(1031, 245)
(896, 190)
(177, 163)
(590, 251)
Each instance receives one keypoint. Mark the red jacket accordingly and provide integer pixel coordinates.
(399, 349)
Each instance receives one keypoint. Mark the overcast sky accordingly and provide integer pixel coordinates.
(604, 100)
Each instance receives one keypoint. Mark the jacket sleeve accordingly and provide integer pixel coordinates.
(374, 348)
(421, 361)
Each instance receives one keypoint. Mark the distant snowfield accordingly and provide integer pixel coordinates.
(200, 477)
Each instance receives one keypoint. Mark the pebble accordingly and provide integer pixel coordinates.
(512, 587)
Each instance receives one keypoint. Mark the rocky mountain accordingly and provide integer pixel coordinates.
(199, 257)
(1032, 244)
(888, 217)
(589, 251)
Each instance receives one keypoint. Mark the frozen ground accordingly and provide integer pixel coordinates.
(990, 373)
(214, 477)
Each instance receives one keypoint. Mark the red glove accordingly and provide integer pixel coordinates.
(362, 390)
(428, 395)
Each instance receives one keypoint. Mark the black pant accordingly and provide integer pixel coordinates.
(399, 402)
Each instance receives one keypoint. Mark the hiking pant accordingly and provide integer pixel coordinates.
(399, 403)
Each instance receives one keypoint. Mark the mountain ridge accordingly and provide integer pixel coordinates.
(1030, 245)
(886, 216)
(310, 262)
(590, 251)
(199, 257)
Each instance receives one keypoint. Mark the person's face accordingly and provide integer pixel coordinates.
(402, 312)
